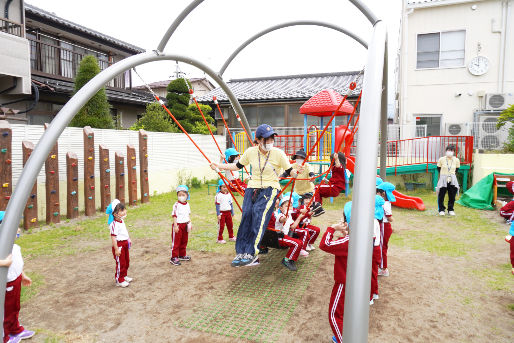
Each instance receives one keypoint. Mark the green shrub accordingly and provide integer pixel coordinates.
(196, 182)
(507, 116)
(96, 112)
(155, 118)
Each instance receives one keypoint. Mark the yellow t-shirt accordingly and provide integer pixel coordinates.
(448, 166)
(268, 173)
(303, 186)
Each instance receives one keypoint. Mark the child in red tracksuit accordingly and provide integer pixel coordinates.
(339, 248)
(225, 212)
(385, 189)
(507, 211)
(181, 227)
(306, 221)
(335, 185)
(13, 331)
(120, 244)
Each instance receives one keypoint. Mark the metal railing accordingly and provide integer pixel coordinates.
(11, 27)
(59, 61)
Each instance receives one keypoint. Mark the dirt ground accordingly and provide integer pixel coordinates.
(427, 298)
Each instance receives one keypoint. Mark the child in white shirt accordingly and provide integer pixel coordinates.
(120, 243)
(181, 227)
(225, 212)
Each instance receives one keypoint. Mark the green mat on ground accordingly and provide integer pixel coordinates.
(480, 196)
(258, 304)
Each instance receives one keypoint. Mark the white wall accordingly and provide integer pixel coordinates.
(432, 91)
(168, 154)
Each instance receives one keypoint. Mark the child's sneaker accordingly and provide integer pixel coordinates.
(451, 213)
(318, 211)
(175, 261)
(221, 241)
(310, 247)
(128, 279)
(14, 339)
(232, 239)
(371, 302)
(25, 334)
(122, 284)
(383, 272)
(441, 213)
(289, 264)
(263, 251)
(236, 262)
(304, 253)
(184, 258)
(334, 339)
(375, 296)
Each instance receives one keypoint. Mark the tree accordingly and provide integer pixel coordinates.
(507, 116)
(97, 111)
(155, 118)
(188, 115)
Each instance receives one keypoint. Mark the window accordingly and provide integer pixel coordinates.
(441, 49)
(433, 123)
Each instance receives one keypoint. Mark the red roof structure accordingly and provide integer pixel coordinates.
(325, 103)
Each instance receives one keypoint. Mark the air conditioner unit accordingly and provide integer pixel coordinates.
(497, 101)
(489, 137)
(460, 129)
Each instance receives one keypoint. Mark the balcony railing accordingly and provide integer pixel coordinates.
(59, 61)
(11, 27)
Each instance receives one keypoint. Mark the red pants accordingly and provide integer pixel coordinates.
(179, 241)
(313, 233)
(295, 245)
(122, 261)
(237, 184)
(512, 251)
(506, 214)
(226, 218)
(336, 311)
(386, 234)
(12, 308)
(374, 271)
(303, 235)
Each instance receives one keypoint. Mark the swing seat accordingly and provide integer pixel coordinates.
(270, 239)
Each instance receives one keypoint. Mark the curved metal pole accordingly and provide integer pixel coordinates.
(288, 24)
(358, 276)
(383, 120)
(365, 10)
(176, 23)
(29, 174)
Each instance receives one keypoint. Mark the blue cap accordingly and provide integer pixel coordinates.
(379, 181)
(220, 183)
(295, 199)
(110, 209)
(379, 210)
(230, 152)
(183, 188)
(2, 214)
(388, 187)
(348, 211)
(264, 131)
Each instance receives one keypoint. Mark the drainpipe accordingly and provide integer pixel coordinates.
(505, 31)
(502, 32)
(6, 9)
(404, 64)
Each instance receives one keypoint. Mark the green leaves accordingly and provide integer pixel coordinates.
(507, 116)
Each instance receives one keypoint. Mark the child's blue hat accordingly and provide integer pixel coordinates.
(348, 211)
(220, 183)
(388, 187)
(183, 188)
(379, 181)
(110, 209)
(379, 210)
(295, 199)
(230, 152)
(2, 214)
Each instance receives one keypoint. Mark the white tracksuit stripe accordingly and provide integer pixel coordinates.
(332, 312)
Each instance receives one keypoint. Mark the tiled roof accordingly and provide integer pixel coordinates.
(164, 83)
(33, 11)
(286, 88)
(113, 94)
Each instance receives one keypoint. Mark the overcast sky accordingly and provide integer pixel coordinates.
(216, 27)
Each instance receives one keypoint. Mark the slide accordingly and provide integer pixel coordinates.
(402, 200)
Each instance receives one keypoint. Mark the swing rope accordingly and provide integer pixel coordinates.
(226, 126)
(210, 131)
(188, 136)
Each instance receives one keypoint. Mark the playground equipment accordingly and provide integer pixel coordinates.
(373, 107)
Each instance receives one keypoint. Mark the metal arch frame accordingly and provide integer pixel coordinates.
(289, 24)
(359, 259)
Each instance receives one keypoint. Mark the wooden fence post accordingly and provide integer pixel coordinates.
(89, 171)
(132, 174)
(5, 163)
(105, 177)
(30, 212)
(143, 166)
(119, 169)
(72, 182)
(53, 208)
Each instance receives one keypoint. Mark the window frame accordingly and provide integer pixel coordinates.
(439, 67)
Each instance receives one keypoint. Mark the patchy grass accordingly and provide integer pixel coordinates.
(510, 307)
(497, 277)
(29, 292)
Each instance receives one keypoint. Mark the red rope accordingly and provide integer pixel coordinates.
(247, 135)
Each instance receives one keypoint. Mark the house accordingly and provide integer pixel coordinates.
(277, 100)
(50, 51)
(201, 86)
(455, 67)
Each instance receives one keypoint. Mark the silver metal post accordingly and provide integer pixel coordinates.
(356, 311)
(29, 174)
(383, 121)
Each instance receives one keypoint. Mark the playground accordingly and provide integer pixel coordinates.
(446, 283)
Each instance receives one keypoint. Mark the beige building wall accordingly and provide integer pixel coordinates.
(485, 164)
(454, 92)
